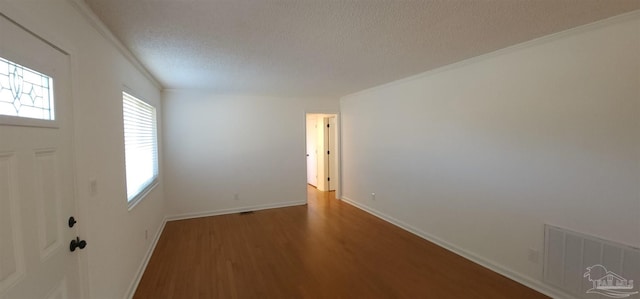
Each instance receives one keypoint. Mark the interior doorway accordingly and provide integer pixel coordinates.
(323, 162)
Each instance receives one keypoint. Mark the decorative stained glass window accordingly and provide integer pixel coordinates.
(25, 92)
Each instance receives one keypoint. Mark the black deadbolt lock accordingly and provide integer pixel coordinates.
(72, 221)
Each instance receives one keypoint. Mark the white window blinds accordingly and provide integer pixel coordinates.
(141, 146)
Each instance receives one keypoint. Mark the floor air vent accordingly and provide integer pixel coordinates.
(588, 267)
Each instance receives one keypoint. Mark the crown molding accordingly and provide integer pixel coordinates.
(628, 16)
(84, 9)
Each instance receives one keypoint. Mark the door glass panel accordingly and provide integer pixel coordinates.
(25, 92)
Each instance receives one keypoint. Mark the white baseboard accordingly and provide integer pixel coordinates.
(531, 283)
(145, 262)
(236, 210)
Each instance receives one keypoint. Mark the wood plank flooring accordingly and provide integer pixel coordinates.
(326, 249)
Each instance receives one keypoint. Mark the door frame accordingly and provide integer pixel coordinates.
(338, 153)
(40, 30)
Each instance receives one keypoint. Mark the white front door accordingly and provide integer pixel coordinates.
(36, 169)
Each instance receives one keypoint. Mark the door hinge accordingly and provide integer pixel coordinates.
(328, 152)
(328, 179)
(328, 125)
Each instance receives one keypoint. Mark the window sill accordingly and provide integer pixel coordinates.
(138, 198)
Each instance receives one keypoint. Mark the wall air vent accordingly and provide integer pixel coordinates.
(589, 267)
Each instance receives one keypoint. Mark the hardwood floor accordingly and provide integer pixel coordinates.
(327, 249)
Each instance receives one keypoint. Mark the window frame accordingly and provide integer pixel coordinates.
(142, 192)
(22, 121)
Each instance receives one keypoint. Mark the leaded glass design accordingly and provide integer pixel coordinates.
(25, 92)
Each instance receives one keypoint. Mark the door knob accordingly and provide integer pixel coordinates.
(77, 243)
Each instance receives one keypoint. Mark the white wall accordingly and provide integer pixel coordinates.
(217, 146)
(481, 154)
(115, 236)
(333, 157)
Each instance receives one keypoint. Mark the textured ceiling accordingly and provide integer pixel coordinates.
(327, 47)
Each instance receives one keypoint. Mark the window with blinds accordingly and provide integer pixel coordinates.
(141, 147)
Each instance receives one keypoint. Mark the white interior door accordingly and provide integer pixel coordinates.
(312, 150)
(36, 170)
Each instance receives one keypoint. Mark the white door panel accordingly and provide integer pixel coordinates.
(36, 177)
(312, 150)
